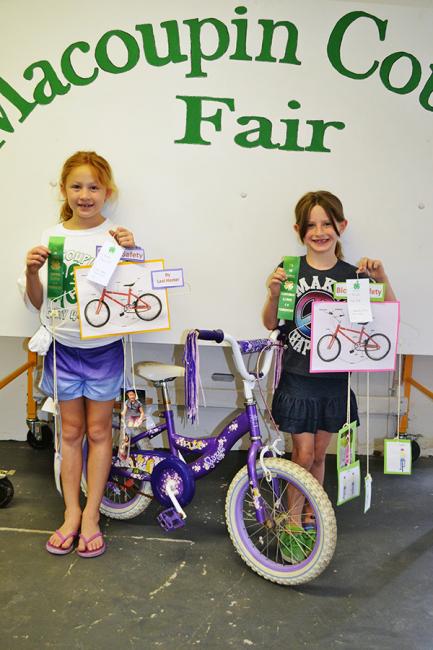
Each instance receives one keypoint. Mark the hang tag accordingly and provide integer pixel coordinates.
(398, 456)
(49, 406)
(346, 445)
(105, 263)
(358, 300)
(367, 487)
(349, 483)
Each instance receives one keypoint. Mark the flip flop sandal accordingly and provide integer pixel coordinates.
(59, 550)
(97, 551)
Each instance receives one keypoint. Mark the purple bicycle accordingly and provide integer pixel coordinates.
(269, 501)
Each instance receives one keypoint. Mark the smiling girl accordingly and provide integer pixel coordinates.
(89, 372)
(313, 407)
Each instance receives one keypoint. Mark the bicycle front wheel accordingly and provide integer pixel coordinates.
(271, 549)
(328, 347)
(97, 313)
(377, 346)
(148, 306)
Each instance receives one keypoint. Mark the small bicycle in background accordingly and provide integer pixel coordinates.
(268, 536)
(376, 346)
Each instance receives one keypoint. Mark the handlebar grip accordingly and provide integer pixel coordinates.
(211, 335)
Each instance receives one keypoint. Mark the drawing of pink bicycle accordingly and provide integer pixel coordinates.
(146, 306)
(376, 346)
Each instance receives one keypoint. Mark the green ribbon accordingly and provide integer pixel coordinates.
(56, 268)
(286, 303)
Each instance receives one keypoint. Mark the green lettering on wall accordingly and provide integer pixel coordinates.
(387, 66)
(68, 70)
(132, 49)
(50, 86)
(336, 39)
(318, 138)
(427, 92)
(197, 53)
(269, 27)
(262, 133)
(195, 117)
(149, 46)
(241, 24)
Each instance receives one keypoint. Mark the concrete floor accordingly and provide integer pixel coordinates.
(188, 589)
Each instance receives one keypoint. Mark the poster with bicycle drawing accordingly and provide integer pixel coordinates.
(128, 305)
(337, 345)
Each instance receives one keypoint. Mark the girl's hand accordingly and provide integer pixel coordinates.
(275, 282)
(373, 268)
(124, 237)
(36, 258)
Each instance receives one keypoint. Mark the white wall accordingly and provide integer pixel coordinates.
(222, 209)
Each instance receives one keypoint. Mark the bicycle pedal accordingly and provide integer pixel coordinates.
(170, 519)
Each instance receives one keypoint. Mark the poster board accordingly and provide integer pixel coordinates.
(337, 345)
(128, 305)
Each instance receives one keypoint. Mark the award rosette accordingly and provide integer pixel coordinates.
(286, 303)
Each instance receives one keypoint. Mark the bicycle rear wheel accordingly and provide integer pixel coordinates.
(148, 306)
(377, 346)
(124, 497)
(268, 549)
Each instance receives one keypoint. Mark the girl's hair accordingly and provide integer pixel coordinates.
(332, 206)
(102, 171)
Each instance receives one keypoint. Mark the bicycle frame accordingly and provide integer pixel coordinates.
(110, 294)
(362, 334)
(212, 450)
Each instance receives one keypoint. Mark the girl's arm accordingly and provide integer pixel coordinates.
(35, 260)
(375, 270)
(124, 237)
(269, 315)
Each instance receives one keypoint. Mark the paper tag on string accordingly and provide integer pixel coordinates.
(105, 263)
(367, 486)
(358, 300)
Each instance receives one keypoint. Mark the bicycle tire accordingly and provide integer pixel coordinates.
(123, 498)
(386, 343)
(244, 529)
(104, 319)
(153, 311)
(6, 492)
(336, 341)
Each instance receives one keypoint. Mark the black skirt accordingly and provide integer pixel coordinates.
(309, 403)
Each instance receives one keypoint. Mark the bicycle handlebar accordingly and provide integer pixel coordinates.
(218, 336)
(211, 335)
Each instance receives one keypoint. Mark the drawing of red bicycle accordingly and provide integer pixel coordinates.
(146, 306)
(376, 346)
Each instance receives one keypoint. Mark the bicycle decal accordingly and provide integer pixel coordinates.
(340, 346)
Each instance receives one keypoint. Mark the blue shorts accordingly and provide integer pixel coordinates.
(95, 373)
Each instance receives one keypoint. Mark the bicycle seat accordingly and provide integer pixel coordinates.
(154, 371)
(129, 285)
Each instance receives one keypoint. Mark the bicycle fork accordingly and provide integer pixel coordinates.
(262, 513)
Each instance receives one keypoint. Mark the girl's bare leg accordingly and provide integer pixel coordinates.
(99, 437)
(73, 419)
(303, 455)
(317, 469)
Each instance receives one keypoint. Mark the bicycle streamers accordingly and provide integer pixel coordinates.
(192, 377)
(278, 364)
